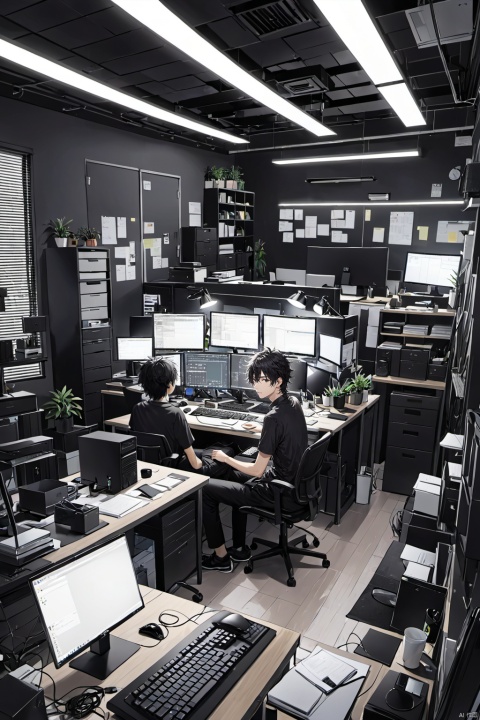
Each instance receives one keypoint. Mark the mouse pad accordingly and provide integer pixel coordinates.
(379, 646)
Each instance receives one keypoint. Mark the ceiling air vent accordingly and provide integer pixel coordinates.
(454, 21)
(271, 16)
(304, 86)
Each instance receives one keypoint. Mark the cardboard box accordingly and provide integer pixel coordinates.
(427, 495)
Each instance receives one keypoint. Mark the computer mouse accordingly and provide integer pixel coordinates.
(182, 403)
(152, 630)
(187, 409)
(234, 623)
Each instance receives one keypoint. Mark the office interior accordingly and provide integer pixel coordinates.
(361, 251)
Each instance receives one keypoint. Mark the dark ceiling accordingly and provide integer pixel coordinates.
(304, 61)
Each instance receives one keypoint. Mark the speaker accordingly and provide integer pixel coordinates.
(34, 324)
(382, 368)
(20, 700)
(470, 180)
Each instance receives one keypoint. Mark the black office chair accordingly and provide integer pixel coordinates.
(132, 397)
(155, 448)
(308, 493)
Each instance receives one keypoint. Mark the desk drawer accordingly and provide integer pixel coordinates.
(93, 386)
(226, 262)
(402, 467)
(94, 334)
(98, 360)
(428, 402)
(94, 300)
(98, 373)
(93, 401)
(93, 286)
(97, 313)
(96, 346)
(413, 416)
(92, 265)
(414, 437)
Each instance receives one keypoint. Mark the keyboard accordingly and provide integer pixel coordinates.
(240, 407)
(222, 414)
(262, 408)
(195, 676)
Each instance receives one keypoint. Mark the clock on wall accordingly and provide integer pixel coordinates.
(455, 173)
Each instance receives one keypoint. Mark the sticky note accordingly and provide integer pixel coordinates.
(422, 232)
(452, 237)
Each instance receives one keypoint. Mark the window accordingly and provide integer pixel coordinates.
(17, 267)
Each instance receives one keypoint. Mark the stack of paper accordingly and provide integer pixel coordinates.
(225, 249)
(415, 329)
(443, 331)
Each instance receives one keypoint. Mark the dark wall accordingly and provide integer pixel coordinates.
(403, 178)
(60, 144)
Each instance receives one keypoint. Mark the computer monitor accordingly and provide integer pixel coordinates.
(429, 269)
(178, 332)
(134, 348)
(207, 370)
(82, 600)
(317, 379)
(235, 330)
(291, 335)
(141, 326)
(238, 371)
(177, 360)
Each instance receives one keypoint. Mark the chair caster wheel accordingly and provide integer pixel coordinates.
(305, 543)
(291, 582)
(198, 597)
(247, 569)
(253, 546)
(326, 563)
(316, 542)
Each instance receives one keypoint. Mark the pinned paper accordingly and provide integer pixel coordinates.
(323, 230)
(164, 262)
(436, 190)
(310, 221)
(286, 214)
(339, 237)
(120, 273)
(109, 230)
(350, 219)
(148, 243)
(148, 228)
(195, 208)
(288, 237)
(284, 226)
(130, 272)
(378, 234)
(298, 214)
(157, 263)
(156, 247)
(147, 185)
(338, 215)
(121, 253)
(311, 232)
(121, 227)
(422, 232)
(131, 256)
(195, 220)
(300, 233)
(368, 215)
(401, 228)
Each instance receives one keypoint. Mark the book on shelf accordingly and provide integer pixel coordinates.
(225, 249)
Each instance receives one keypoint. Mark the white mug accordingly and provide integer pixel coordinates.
(413, 646)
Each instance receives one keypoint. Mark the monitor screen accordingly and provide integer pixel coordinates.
(179, 332)
(141, 326)
(134, 348)
(290, 334)
(207, 370)
(238, 371)
(234, 330)
(86, 597)
(176, 359)
(317, 379)
(426, 269)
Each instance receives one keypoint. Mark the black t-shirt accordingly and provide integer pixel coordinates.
(165, 419)
(284, 436)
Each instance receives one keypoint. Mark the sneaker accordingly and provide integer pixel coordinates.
(213, 562)
(240, 554)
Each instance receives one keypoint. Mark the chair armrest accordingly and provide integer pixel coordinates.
(171, 460)
(261, 512)
(282, 485)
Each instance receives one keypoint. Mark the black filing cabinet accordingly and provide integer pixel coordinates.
(200, 245)
(79, 308)
(412, 426)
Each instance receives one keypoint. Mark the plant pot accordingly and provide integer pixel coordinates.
(64, 425)
(209, 184)
(219, 183)
(231, 184)
(339, 402)
(365, 396)
(326, 400)
(91, 242)
(356, 398)
(61, 242)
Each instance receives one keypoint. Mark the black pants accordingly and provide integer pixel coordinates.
(210, 467)
(241, 490)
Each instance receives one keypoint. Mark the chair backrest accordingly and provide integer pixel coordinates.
(151, 447)
(132, 397)
(308, 487)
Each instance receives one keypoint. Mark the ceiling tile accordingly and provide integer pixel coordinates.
(394, 22)
(326, 61)
(84, 7)
(344, 57)
(270, 52)
(294, 65)
(232, 33)
(312, 38)
(331, 47)
(44, 47)
(77, 32)
(402, 39)
(364, 90)
(115, 20)
(171, 70)
(123, 81)
(198, 13)
(155, 88)
(353, 78)
(206, 76)
(177, 97)
(44, 15)
(372, 106)
(121, 46)
(10, 30)
(10, 6)
(143, 60)
(339, 94)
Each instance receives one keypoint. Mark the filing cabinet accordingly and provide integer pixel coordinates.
(79, 301)
(388, 359)
(200, 245)
(412, 424)
(414, 363)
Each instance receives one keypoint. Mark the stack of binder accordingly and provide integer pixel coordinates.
(18, 550)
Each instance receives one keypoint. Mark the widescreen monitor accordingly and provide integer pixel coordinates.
(134, 348)
(317, 379)
(178, 332)
(207, 370)
(141, 326)
(235, 330)
(238, 371)
(291, 335)
(82, 600)
(177, 360)
(428, 269)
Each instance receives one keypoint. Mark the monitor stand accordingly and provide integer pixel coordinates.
(434, 291)
(385, 597)
(105, 655)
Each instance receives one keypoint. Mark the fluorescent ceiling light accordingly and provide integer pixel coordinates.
(402, 102)
(354, 26)
(345, 158)
(346, 203)
(338, 180)
(41, 65)
(162, 21)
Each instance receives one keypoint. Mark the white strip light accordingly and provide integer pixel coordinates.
(345, 158)
(154, 15)
(346, 203)
(34, 62)
(403, 103)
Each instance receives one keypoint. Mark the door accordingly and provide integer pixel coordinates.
(160, 223)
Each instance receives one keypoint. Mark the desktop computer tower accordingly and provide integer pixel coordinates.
(109, 460)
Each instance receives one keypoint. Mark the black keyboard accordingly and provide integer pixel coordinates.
(232, 405)
(262, 408)
(222, 414)
(192, 679)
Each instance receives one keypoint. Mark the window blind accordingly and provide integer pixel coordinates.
(17, 266)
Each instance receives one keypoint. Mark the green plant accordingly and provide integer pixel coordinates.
(361, 382)
(260, 258)
(59, 227)
(340, 390)
(454, 279)
(208, 173)
(233, 173)
(218, 173)
(88, 233)
(64, 404)
(328, 391)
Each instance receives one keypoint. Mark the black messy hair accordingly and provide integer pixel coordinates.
(156, 375)
(273, 364)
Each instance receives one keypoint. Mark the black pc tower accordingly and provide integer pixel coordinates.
(109, 460)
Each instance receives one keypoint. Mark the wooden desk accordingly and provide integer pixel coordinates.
(240, 703)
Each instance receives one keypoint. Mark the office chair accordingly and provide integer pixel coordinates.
(308, 492)
(132, 397)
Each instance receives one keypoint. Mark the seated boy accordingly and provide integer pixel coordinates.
(283, 439)
(157, 415)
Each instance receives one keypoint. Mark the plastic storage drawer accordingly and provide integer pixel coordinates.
(93, 286)
(93, 300)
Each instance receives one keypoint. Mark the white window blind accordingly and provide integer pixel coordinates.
(17, 266)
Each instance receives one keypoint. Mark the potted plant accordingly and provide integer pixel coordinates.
(327, 399)
(452, 294)
(89, 235)
(233, 175)
(60, 231)
(208, 177)
(259, 258)
(62, 408)
(355, 390)
(338, 396)
(218, 175)
(362, 384)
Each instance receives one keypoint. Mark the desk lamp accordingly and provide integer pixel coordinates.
(204, 296)
(299, 300)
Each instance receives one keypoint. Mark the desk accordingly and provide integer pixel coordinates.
(323, 424)
(240, 703)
